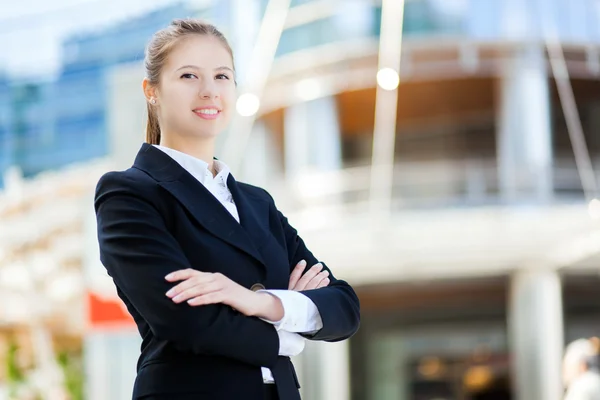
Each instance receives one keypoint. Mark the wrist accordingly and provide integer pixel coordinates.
(268, 307)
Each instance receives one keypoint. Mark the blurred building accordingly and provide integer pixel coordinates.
(81, 115)
(475, 252)
(486, 259)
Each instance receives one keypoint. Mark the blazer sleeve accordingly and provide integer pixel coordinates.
(337, 303)
(138, 252)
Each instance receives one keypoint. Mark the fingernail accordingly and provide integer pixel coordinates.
(168, 276)
(319, 266)
(170, 293)
(303, 263)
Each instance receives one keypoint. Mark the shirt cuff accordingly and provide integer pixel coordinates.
(300, 314)
(290, 344)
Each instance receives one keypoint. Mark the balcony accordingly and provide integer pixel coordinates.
(436, 184)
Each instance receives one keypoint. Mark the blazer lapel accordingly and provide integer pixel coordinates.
(201, 204)
(252, 212)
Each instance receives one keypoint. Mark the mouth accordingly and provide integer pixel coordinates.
(207, 112)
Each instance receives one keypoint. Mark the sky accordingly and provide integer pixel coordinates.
(31, 30)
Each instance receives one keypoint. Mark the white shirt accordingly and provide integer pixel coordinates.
(585, 387)
(301, 315)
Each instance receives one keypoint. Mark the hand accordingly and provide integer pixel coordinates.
(315, 278)
(202, 288)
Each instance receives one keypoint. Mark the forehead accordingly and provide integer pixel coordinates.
(202, 50)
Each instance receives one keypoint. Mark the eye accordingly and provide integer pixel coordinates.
(222, 76)
(188, 76)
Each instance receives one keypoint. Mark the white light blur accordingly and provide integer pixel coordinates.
(66, 286)
(388, 78)
(308, 89)
(16, 277)
(247, 104)
(594, 209)
(42, 264)
(19, 310)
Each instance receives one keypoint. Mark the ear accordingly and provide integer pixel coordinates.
(149, 90)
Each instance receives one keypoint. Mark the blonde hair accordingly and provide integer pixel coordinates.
(157, 52)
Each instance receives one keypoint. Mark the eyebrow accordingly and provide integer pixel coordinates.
(196, 67)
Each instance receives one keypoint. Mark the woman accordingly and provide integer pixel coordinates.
(191, 250)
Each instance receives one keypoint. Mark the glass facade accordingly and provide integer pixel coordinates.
(51, 124)
(477, 19)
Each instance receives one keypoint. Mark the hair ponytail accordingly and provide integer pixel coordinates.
(152, 127)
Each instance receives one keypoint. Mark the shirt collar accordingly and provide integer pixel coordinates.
(197, 167)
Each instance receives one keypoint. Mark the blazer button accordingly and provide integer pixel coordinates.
(256, 287)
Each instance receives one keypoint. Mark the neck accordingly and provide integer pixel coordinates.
(200, 148)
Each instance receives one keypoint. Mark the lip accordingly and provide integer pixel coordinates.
(207, 116)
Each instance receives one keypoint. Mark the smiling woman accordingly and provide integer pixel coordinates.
(190, 74)
(213, 274)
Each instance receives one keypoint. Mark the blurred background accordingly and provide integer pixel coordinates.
(440, 155)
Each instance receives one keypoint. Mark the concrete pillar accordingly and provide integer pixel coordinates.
(325, 371)
(387, 367)
(536, 334)
(110, 364)
(261, 164)
(126, 114)
(524, 138)
(335, 358)
(312, 137)
(296, 142)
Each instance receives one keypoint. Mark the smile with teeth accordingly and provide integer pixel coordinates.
(208, 111)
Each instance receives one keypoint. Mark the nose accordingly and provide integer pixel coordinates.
(208, 90)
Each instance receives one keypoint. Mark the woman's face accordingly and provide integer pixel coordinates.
(196, 94)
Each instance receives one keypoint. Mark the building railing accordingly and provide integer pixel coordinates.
(416, 184)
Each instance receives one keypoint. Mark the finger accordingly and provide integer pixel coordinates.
(180, 287)
(324, 283)
(296, 274)
(182, 274)
(316, 281)
(315, 269)
(196, 279)
(196, 291)
(209, 298)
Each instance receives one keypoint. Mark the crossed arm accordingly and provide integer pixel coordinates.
(201, 288)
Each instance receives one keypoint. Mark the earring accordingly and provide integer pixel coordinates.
(152, 101)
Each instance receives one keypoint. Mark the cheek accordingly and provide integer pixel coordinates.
(177, 99)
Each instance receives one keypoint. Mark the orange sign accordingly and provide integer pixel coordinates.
(107, 313)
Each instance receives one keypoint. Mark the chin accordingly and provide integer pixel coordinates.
(206, 133)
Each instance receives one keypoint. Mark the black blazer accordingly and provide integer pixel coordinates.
(155, 218)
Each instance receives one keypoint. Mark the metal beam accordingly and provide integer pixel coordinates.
(560, 71)
(386, 103)
(259, 68)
